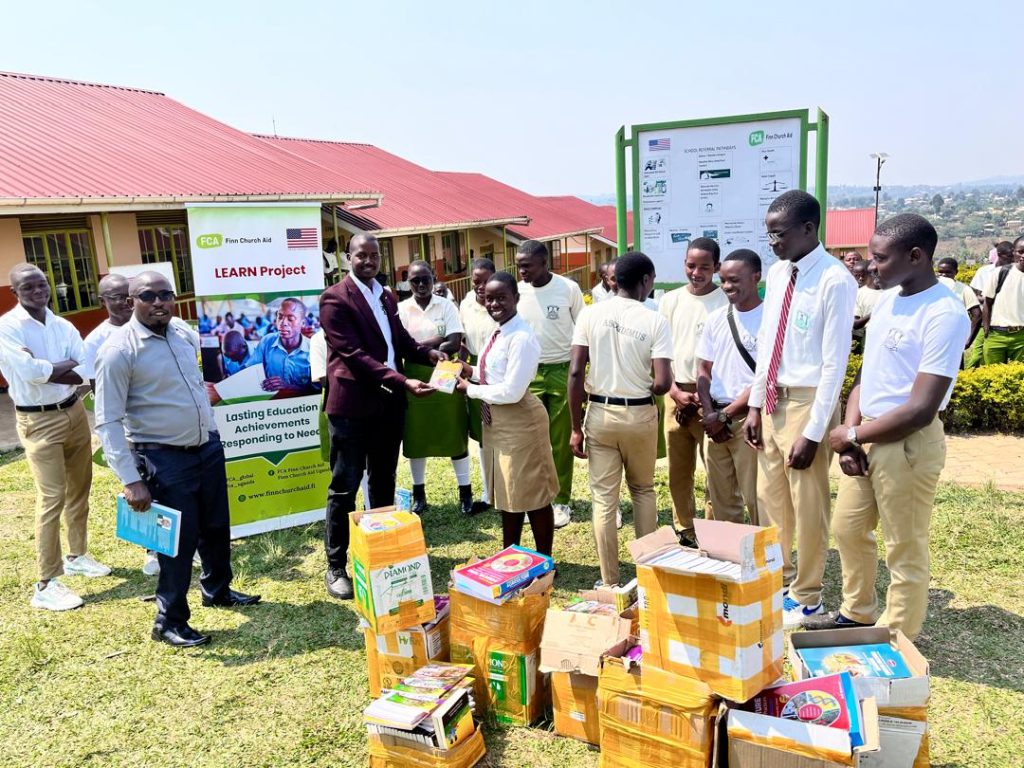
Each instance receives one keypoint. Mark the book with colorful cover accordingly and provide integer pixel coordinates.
(501, 574)
(452, 721)
(397, 711)
(376, 522)
(433, 682)
(158, 528)
(870, 660)
(830, 701)
(446, 374)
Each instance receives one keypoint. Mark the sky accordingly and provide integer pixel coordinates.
(532, 92)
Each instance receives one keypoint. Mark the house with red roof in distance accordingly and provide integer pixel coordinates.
(97, 176)
(849, 230)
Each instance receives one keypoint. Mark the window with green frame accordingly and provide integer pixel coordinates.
(169, 242)
(453, 245)
(69, 261)
(555, 247)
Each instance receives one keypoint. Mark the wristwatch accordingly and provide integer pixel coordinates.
(724, 417)
(851, 436)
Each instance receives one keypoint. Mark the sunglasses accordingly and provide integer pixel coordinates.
(148, 297)
(420, 280)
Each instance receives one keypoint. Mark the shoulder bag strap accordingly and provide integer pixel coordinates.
(739, 344)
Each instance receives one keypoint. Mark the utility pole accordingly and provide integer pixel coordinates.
(880, 158)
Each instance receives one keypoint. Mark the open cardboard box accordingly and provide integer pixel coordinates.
(904, 741)
(575, 642)
(749, 740)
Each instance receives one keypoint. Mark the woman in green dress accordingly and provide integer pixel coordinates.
(435, 425)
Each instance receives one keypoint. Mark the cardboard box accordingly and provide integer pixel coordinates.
(902, 704)
(391, 573)
(386, 752)
(391, 657)
(717, 619)
(574, 703)
(502, 642)
(760, 741)
(650, 717)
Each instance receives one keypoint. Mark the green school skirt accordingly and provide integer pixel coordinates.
(436, 425)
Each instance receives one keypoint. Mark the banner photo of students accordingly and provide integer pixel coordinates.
(258, 280)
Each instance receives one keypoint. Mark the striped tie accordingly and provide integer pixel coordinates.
(771, 394)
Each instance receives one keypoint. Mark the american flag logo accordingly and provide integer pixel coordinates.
(654, 145)
(301, 238)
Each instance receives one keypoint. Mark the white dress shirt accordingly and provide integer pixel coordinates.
(97, 336)
(373, 295)
(27, 372)
(818, 333)
(511, 364)
(318, 356)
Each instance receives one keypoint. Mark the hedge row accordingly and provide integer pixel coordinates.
(987, 398)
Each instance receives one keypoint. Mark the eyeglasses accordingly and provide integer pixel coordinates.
(775, 237)
(120, 298)
(148, 297)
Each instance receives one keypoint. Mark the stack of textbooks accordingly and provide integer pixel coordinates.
(870, 660)
(432, 708)
(500, 576)
(830, 701)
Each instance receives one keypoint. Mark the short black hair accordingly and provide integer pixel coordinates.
(332, 245)
(631, 268)
(482, 263)
(421, 263)
(909, 230)
(706, 244)
(948, 261)
(799, 205)
(860, 264)
(507, 280)
(1018, 240)
(1004, 248)
(533, 248)
(747, 256)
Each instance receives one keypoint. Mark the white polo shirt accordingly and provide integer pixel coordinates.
(687, 315)
(552, 311)
(476, 324)
(440, 318)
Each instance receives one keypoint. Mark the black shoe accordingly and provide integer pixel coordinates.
(419, 499)
(339, 586)
(833, 620)
(688, 539)
(466, 499)
(231, 600)
(478, 506)
(181, 636)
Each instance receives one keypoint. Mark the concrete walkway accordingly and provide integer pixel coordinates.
(973, 460)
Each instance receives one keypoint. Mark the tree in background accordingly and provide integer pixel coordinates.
(937, 202)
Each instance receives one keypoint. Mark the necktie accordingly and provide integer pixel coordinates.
(771, 395)
(483, 355)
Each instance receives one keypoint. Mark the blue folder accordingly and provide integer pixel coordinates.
(158, 528)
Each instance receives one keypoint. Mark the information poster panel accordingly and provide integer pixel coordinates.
(258, 279)
(713, 180)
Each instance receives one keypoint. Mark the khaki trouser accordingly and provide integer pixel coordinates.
(899, 490)
(683, 444)
(58, 447)
(621, 437)
(732, 478)
(796, 501)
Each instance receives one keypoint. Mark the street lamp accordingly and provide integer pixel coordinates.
(880, 158)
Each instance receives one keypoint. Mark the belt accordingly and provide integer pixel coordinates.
(63, 405)
(784, 393)
(621, 400)
(1007, 328)
(686, 387)
(166, 447)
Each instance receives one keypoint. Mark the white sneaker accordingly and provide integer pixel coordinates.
(563, 515)
(54, 597)
(83, 565)
(794, 614)
(618, 519)
(151, 565)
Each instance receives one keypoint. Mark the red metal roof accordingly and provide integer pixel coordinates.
(548, 218)
(61, 139)
(601, 215)
(849, 229)
(414, 197)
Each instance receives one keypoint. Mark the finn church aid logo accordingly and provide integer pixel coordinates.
(553, 312)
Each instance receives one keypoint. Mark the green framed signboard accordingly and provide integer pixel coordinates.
(714, 178)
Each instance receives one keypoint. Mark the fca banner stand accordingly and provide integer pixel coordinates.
(714, 178)
(258, 279)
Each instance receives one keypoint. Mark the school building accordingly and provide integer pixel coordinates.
(849, 230)
(96, 176)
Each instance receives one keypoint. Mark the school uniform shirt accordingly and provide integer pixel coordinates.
(623, 337)
(687, 315)
(980, 278)
(600, 293)
(1008, 308)
(908, 335)
(97, 336)
(865, 301)
(552, 311)
(730, 374)
(47, 343)
(818, 333)
(440, 318)
(962, 290)
(511, 364)
(477, 325)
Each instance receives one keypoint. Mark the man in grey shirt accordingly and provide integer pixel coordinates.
(159, 436)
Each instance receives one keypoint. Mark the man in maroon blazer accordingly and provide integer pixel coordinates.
(366, 344)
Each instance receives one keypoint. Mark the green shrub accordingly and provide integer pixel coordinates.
(987, 398)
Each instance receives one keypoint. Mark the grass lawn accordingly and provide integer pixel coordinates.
(284, 684)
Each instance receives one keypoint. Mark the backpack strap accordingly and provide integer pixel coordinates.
(1003, 272)
(739, 344)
